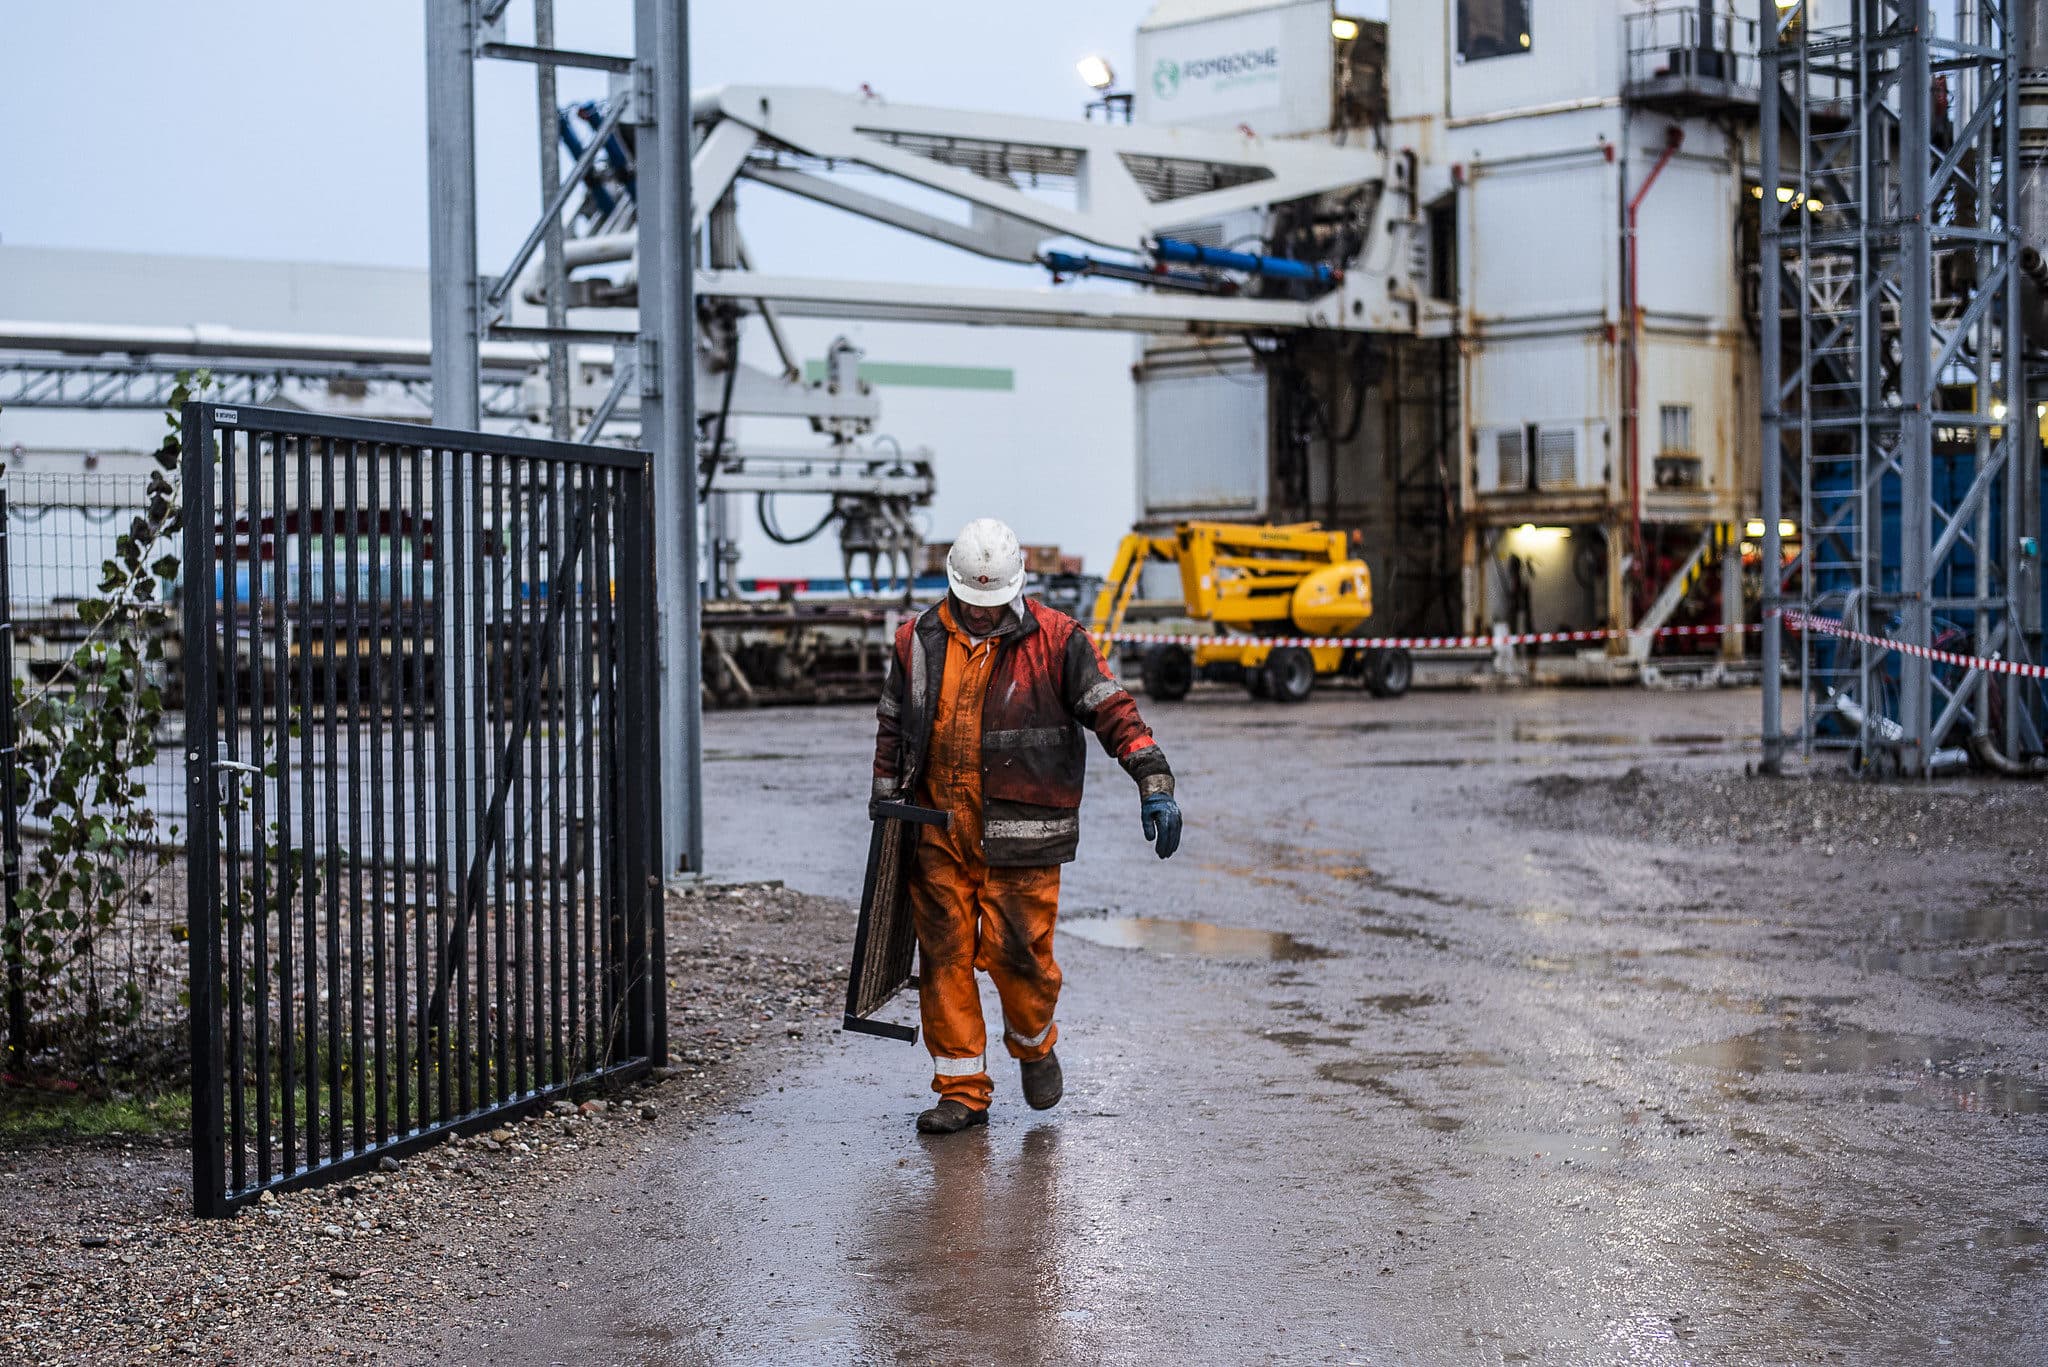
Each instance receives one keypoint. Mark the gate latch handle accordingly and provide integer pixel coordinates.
(227, 769)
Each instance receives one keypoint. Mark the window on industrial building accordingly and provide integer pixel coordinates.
(1492, 28)
(1443, 249)
(1676, 421)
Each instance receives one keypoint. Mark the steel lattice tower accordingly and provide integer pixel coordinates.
(1890, 295)
(649, 110)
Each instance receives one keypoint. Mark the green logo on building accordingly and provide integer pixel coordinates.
(1166, 78)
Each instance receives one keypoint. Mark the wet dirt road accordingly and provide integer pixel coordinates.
(1404, 1058)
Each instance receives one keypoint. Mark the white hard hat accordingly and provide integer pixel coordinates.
(986, 565)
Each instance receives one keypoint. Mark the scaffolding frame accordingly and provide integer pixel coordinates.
(650, 101)
(1890, 346)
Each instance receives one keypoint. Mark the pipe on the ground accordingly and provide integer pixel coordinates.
(1990, 757)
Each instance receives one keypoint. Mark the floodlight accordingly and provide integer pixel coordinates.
(1096, 72)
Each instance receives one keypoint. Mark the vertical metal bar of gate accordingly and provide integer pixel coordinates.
(370, 970)
(647, 1007)
(209, 1177)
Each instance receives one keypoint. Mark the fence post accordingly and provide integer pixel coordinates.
(646, 957)
(10, 819)
(202, 831)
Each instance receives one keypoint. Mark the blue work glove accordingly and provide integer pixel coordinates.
(1161, 817)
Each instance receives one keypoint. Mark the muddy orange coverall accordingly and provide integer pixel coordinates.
(990, 731)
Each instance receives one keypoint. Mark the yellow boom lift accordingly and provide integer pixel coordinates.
(1252, 581)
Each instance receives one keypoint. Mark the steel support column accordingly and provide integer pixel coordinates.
(1916, 384)
(1770, 310)
(451, 212)
(668, 411)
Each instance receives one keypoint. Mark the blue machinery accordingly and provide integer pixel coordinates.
(1169, 252)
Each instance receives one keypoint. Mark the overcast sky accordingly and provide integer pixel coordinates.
(287, 129)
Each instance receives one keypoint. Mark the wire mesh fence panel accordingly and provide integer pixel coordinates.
(420, 785)
(14, 1050)
(96, 974)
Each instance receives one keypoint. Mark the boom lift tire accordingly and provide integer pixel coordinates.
(1168, 672)
(1389, 672)
(1290, 674)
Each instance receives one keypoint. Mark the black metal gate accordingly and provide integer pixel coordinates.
(421, 785)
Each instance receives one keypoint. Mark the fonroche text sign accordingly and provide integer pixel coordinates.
(1267, 69)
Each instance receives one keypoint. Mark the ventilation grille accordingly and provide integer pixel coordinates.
(1010, 163)
(1557, 458)
(1510, 459)
(1170, 178)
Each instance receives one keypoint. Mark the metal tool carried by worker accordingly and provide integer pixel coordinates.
(884, 939)
(980, 720)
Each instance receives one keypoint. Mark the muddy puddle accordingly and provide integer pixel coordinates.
(1921, 1070)
(1945, 963)
(1396, 931)
(1543, 735)
(1160, 935)
(1377, 1077)
(1570, 1150)
(1616, 963)
(1401, 1003)
(1891, 1234)
(2001, 919)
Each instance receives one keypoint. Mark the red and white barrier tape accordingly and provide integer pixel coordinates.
(1413, 642)
(1796, 621)
(1800, 621)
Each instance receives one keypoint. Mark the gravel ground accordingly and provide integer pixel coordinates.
(101, 1261)
(1942, 883)
(1829, 812)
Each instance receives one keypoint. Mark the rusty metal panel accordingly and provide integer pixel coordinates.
(885, 938)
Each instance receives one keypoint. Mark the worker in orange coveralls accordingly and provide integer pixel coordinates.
(981, 718)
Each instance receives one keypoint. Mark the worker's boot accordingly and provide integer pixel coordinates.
(1043, 1083)
(950, 1117)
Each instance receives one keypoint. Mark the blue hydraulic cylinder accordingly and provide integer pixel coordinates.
(1068, 263)
(1185, 253)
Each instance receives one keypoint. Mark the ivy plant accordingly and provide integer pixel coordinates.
(87, 739)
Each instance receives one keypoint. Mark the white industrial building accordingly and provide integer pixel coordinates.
(1491, 454)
